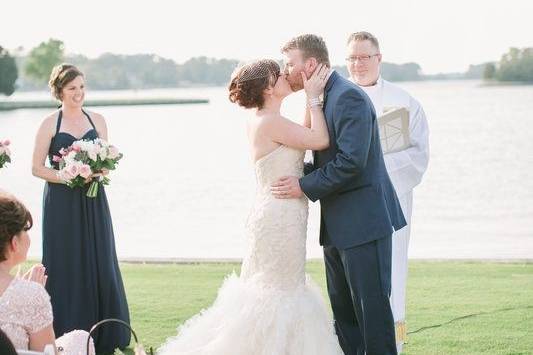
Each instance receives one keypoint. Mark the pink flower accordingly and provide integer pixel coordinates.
(56, 158)
(4, 150)
(113, 152)
(5, 143)
(63, 151)
(65, 175)
(76, 148)
(85, 171)
(73, 170)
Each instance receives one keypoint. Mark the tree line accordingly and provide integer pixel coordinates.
(142, 71)
(515, 65)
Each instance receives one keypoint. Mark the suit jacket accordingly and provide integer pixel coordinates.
(358, 201)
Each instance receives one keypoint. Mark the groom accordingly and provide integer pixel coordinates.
(359, 207)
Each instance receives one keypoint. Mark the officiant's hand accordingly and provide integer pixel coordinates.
(286, 187)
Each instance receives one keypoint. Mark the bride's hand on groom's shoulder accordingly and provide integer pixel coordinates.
(314, 86)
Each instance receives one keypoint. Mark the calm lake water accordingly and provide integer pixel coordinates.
(186, 183)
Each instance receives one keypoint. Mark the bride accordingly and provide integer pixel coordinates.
(273, 308)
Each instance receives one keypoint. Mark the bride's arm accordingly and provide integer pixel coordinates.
(307, 118)
(286, 132)
(314, 133)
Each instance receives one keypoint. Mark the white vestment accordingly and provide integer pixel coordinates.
(405, 169)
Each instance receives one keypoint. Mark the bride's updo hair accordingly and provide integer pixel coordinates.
(249, 81)
(14, 218)
(61, 75)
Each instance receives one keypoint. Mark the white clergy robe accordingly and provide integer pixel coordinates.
(405, 169)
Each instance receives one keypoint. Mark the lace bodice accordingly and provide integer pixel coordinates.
(24, 309)
(282, 161)
(276, 228)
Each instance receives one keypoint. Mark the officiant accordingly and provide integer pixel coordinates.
(405, 167)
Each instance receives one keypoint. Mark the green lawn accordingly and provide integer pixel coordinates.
(441, 298)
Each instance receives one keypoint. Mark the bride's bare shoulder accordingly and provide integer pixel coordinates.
(270, 121)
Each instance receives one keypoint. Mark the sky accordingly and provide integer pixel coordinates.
(442, 36)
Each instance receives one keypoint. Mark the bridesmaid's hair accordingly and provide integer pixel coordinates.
(14, 218)
(61, 75)
(248, 83)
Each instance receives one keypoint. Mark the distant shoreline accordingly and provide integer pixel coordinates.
(506, 83)
(36, 104)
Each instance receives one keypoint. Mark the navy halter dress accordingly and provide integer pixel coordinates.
(84, 280)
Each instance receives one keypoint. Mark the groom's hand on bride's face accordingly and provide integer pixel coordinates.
(286, 187)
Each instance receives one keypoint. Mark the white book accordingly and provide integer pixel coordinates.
(394, 129)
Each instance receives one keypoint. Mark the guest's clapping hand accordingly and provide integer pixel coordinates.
(37, 273)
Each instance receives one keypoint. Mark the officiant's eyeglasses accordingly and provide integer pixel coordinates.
(360, 58)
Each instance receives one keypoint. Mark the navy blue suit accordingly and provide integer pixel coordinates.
(359, 212)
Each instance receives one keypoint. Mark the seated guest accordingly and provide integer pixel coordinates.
(25, 308)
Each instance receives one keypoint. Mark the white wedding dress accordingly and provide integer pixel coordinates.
(273, 308)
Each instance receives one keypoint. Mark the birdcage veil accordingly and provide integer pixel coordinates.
(262, 68)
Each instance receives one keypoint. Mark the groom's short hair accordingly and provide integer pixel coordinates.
(311, 46)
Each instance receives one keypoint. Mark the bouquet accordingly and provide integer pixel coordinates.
(82, 159)
(5, 154)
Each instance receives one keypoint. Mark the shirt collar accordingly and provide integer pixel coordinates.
(378, 83)
(333, 76)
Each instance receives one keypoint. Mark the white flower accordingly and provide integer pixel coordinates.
(70, 158)
(103, 153)
(93, 154)
(102, 142)
(88, 147)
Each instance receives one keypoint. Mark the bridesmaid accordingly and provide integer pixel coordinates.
(84, 280)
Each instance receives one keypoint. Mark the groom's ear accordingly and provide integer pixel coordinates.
(310, 66)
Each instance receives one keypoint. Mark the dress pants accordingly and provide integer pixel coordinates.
(359, 286)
